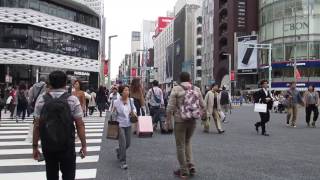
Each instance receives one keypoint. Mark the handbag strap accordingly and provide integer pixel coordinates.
(131, 105)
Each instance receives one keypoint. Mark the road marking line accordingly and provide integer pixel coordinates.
(80, 174)
(29, 151)
(24, 143)
(32, 162)
(24, 136)
(28, 124)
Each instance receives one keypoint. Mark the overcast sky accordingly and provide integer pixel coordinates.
(124, 16)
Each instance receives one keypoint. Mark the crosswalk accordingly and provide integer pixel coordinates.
(16, 151)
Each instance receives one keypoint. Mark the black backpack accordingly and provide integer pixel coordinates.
(224, 98)
(57, 131)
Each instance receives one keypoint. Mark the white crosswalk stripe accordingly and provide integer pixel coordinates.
(16, 150)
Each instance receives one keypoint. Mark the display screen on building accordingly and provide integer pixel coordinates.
(247, 55)
(162, 23)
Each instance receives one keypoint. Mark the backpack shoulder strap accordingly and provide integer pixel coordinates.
(47, 97)
(65, 96)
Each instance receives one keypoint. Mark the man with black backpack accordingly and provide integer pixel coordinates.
(155, 102)
(225, 103)
(55, 113)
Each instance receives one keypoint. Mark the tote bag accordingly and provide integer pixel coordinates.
(261, 108)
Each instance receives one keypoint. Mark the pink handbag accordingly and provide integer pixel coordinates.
(144, 126)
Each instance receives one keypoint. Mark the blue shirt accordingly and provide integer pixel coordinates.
(123, 110)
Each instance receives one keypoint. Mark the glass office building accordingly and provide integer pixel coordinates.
(293, 29)
(39, 36)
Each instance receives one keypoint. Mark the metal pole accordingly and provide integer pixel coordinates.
(270, 66)
(109, 63)
(230, 81)
(37, 74)
(295, 45)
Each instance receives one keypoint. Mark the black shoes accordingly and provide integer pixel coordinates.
(265, 134)
(221, 131)
(257, 127)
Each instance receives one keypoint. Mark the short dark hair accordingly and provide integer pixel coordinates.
(292, 83)
(214, 84)
(313, 86)
(155, 83)
(43, 78)
(185, 77)
(57, 79)
(264, 81)
(121, 89)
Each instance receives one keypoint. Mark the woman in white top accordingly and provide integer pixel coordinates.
(123, 107)
(92, 102)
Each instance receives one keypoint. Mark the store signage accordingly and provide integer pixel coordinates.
(247, 56)
(105, 68)
(295, 26)
(79, 73)
(232, 76)
(313, 63)
(8, 79)
(133, 72)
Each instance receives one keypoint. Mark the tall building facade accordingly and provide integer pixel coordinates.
(293, 28)
(162, 53)
(208, 43)
(148, 33)
(135, 64)
(183, 39)
(40, 36)
(231, 19)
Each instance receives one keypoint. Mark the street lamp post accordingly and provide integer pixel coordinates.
(230, 69)
(109, 59)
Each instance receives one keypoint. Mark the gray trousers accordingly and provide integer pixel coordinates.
(124, 142)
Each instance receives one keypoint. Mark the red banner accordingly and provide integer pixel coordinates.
(232, 76)
(298, 75)
(105, 68)
(133, 72)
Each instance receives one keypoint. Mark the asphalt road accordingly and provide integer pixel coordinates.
(239, 154)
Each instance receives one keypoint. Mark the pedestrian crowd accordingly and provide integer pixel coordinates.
(58, 112)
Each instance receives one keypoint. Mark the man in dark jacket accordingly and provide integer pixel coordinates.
(264, 96)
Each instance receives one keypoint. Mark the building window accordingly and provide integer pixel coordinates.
(199, 41)
(199, 73)
(199, 30)
(289, 49)
(31, 37)
(199, 62)
(198, 52)
(51, 8)
(199, 20)
(277, 53)
(314, 50)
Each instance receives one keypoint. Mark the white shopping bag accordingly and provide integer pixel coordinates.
(9, 100)
(260, 107)
(222, 115)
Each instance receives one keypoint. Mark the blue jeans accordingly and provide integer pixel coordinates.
(155, 112)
